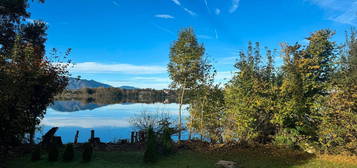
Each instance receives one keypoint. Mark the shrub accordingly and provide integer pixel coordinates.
(150, 155)
(87, 152)
(167, 141)
(36, 154)
(68, 153)
(52, 152)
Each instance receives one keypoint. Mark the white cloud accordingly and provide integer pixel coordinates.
(190, 12)
(164, 16)
(177, 2)
(152, 79)
(342, 11)
(224, 76)
(217, 11)
(94, 67)
(216, 33)
(234, 7)
(115, 3)
(206, 3)
(33, 21)
(139, 84)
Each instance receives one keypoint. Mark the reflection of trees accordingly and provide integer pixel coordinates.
(117, 95)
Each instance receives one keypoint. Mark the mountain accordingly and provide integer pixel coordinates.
(128, 87)
(74, 84)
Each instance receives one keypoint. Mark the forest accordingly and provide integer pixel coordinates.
(309, 102)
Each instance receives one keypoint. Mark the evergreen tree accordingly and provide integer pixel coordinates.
(151, 153)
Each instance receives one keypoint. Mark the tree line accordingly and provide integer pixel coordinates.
(117, 95)
(309, 102)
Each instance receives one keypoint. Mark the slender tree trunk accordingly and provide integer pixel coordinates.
(180, 112)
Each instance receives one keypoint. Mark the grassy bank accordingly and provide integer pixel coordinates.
(249, 157)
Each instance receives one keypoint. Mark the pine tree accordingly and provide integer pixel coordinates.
(151, 152)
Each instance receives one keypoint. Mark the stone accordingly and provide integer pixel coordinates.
(226, 164)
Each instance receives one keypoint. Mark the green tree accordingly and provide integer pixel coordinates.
(151, 152)
(249, 98)
(307, 72)
(185, 66)
(24, 66)
(338, 128)
(206, 105)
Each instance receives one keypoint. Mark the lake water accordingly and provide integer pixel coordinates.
(110, 122)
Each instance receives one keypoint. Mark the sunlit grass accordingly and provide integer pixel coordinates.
(248, 157)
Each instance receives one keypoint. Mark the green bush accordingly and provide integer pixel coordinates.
(167, 141)
(68, 153)
(36, 154)
(87, 152)
(52, 152)
(151, 152)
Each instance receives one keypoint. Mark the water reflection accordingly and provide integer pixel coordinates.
(109, 121)
(74, 105)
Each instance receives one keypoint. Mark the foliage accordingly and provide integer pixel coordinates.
(151, 153)
(24, 66)
(68, 153)
(250, 98)
(53, 152)
(87, 152)
(338, 128)
(166, 141)
(186, 65)
(157, 120)
(307, 72)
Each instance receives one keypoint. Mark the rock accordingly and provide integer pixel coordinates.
(226, 164)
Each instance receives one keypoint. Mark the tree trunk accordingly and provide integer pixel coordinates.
(180, 112)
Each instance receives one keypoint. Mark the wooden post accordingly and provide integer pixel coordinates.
(76, 137)
(132, 137)
(136, 137)
(92, 136)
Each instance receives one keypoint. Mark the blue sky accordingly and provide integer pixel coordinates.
(126, 42)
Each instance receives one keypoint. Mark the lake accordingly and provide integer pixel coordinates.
(110, 122)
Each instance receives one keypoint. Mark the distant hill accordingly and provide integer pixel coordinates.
(74, 84)
(128, 87)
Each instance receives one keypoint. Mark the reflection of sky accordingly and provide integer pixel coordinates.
(110, 122)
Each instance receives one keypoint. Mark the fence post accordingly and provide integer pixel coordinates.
(76, 137)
